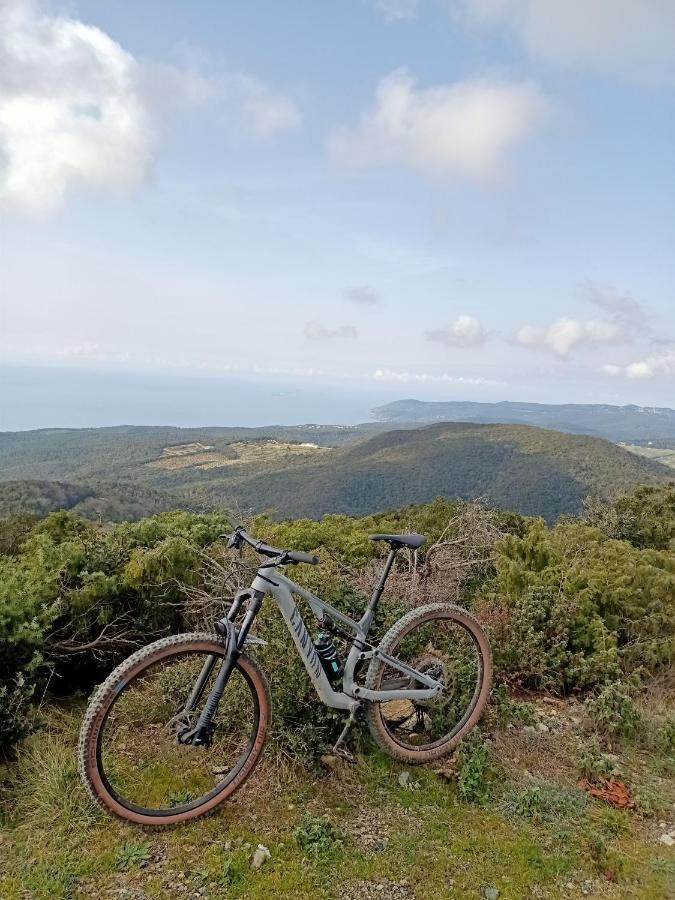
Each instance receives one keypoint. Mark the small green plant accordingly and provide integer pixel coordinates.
(595, 764)
(232, 872)
(474, 774)
(510, 710)
(614, 712)
(544, 803)
(177, 798)
(317, 836)
(133, 854)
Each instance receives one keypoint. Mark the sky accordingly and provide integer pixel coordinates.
(441, 199)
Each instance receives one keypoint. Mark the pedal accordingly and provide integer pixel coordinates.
(344, 753)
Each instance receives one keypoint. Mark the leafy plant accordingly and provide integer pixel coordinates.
(614, 712)
(475, 771)
(177, 798)
(510, 710)
(595, 764)
(317, 836)
(133, 854)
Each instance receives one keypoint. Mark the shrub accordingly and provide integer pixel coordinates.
(614, 712)
(571, 609)
(75, 599)
(595, 764)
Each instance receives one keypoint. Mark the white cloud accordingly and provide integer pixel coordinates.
(397, 10)
(263, 111)
(566, 335)
(401, 377)
(662, 366)
(362, 295)
(315, 331)
(70, 109)
(465, 128)
(623, 308)
(633, 36)
(77, 110)
(465, 331)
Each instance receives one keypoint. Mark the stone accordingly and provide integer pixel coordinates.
(404, 779)
(488, 892)
(667, 839)
(260, 857)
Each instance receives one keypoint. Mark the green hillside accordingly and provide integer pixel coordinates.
(116, 474)
(529, 470)
(106, 454)
(108, 502)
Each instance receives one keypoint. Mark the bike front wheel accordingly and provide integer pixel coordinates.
(130, 757)
(448, 644)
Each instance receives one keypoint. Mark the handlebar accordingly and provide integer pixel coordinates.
(240, 536)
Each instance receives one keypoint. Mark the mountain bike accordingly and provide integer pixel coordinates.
(179, 726)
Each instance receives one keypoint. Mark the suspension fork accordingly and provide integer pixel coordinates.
(235, 640)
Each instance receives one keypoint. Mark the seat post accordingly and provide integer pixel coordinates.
(377, 593)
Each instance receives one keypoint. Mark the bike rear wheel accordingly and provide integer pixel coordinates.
(130, 758)
(447, 643)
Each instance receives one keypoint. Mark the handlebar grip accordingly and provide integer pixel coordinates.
(300, 557)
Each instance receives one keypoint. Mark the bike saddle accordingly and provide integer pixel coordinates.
(400, 540)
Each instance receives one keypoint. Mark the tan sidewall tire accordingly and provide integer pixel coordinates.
(415, 617)
(108, 691)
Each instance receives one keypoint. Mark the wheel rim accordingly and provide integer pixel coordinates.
(142, 764)
(448, 651)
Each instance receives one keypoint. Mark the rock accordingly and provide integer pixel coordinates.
(667, 839)
(447, 773)
(488, 892)
(404, 779)
(380, 844)
(529, 729)
(543, 728)
(261, 855)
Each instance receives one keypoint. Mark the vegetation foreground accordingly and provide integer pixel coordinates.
(566, 790)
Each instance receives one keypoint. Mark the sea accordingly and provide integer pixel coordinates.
(61, 397)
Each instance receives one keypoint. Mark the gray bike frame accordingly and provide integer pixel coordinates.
(282, 589)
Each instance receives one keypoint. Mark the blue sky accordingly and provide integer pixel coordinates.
(469, 199)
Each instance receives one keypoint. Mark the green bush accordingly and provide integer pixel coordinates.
(614, 712)
(595, 763)
(76, 598)
(571, 608)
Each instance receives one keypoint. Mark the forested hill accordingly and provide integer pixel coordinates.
(109, 502)
(631, 424)
(528, 470)
(116, 474)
